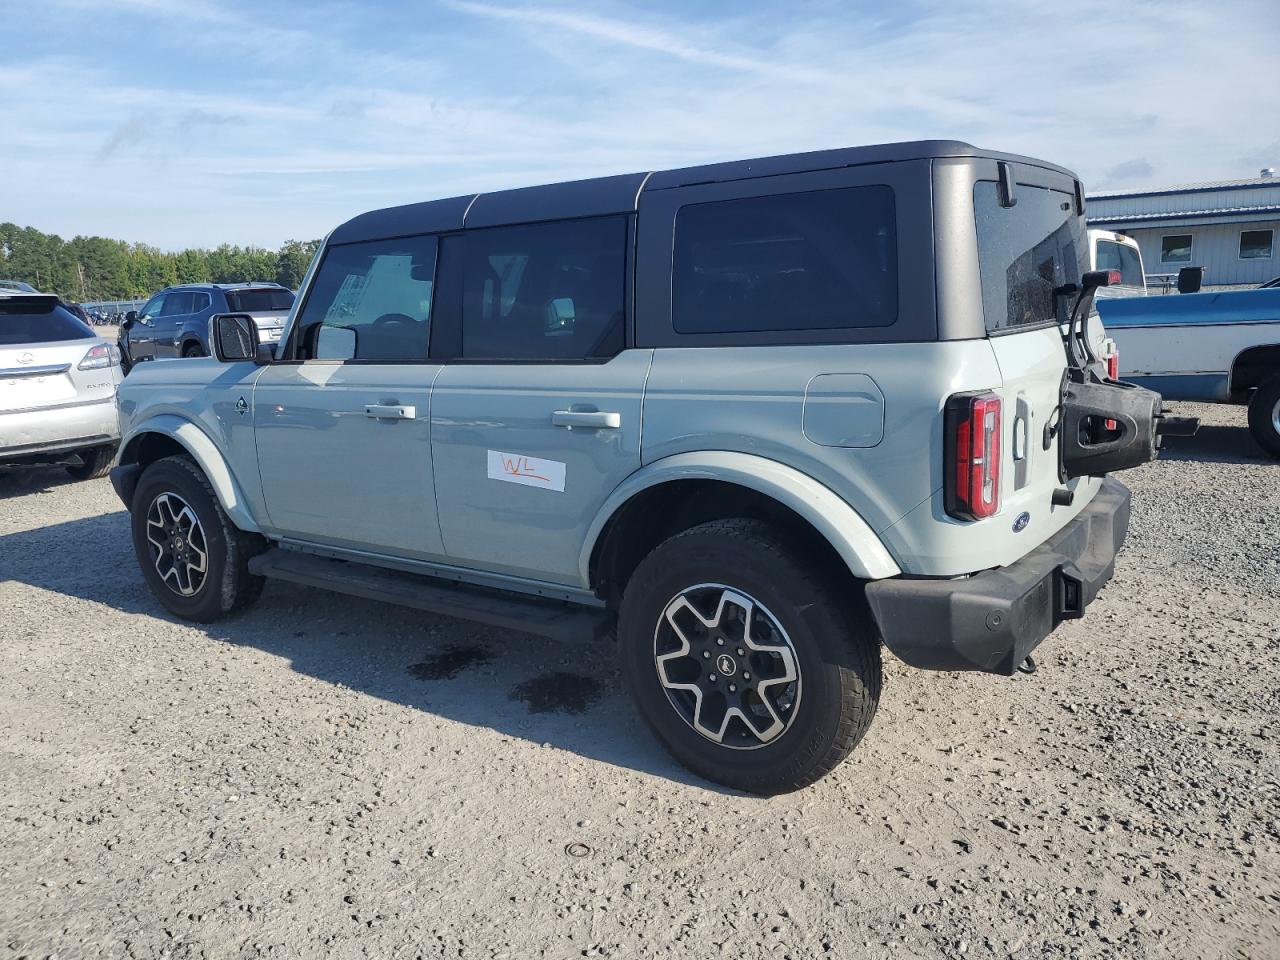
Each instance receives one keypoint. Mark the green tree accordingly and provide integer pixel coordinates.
(292, 262)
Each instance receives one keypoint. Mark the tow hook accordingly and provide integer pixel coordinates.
(1028, 665)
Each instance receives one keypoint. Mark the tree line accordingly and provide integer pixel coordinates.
(87, 269)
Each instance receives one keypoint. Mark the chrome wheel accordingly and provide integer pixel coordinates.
(177, 544)
(1275, 417)
(727, 666)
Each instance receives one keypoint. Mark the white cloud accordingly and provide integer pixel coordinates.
(257, 132)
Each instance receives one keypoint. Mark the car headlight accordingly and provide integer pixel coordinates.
(100, 355)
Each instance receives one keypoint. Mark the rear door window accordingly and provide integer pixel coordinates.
(544, 291)
(39, 319)
(178, 303)
(822, 260)
(1024, 252)
(369, 301)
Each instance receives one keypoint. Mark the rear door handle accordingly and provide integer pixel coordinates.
(600, 419)
(390, 411)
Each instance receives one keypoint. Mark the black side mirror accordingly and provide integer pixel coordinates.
(130, 317)
(234, 337)
(1190, 279)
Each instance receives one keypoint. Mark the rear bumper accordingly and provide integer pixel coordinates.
(37, 434)
(993, 620)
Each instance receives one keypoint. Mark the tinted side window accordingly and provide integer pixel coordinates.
(822, 260)
(545, 291)
(153, 306)
(1025, 251)
(371, 301)
(200, 302)
(177, 303)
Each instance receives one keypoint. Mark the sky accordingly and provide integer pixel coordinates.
(196, 122)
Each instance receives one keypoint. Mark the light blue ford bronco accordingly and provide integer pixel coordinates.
(762, 416)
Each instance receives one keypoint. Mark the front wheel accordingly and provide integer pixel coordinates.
(1264, 416)
(750, 664)
(192, 556)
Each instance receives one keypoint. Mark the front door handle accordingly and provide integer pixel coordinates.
(390, 411)
(600, 419)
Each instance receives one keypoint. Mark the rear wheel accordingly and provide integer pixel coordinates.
(193, 350)
(192, 556)
(752, 666)
(1264, 416)
(94, 462)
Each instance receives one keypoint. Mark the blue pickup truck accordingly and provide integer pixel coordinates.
(1222, 347)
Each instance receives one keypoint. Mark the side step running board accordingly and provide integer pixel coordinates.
(548, 618)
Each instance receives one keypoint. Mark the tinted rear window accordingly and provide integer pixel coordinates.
(823, 260)
(39, 320)
(1026, 250)
(251, 301)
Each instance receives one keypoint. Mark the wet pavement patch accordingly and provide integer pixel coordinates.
(448, 663)
(558, 693)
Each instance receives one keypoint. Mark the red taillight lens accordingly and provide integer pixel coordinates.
(973, 450)
(1113, 365)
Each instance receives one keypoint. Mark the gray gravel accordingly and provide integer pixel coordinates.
(326, 776)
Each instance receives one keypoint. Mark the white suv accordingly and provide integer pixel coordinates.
(58, 384)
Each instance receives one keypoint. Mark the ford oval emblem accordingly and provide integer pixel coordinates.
(1021, 522)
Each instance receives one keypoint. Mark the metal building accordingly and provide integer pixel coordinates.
(1229, 227)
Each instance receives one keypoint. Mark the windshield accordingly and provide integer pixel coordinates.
(1118, 256)
(39, 320)
(253, 301)
(1026, 250)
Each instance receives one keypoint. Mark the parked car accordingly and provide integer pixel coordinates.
(57, 387)
(869, 413)
(18, 286)
(1222, 347)
(175, 322)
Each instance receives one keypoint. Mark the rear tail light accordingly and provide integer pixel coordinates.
(100, 355)
(973, 452)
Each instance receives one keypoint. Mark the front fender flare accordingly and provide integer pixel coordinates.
(206, 455)
(833, 518)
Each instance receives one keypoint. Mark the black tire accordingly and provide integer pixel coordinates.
(94, 463)
(1264, 416)
(193, 350)
(226, 584)
(835, 647)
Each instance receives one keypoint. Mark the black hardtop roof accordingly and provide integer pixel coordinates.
(621, 194)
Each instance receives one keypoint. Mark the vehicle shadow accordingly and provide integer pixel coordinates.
(25, 480)
(1215, 444)
(563, 694)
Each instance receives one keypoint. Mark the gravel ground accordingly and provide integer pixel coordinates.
(327, 776)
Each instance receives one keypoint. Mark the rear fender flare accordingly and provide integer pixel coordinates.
(207, 457)
(842, 527)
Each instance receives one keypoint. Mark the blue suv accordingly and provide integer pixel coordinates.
(175, 322)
